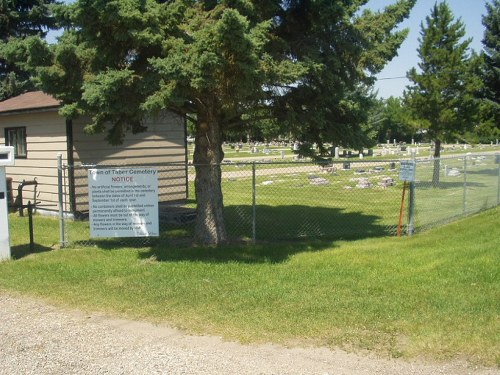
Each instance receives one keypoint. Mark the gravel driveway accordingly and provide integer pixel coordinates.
(37, 338)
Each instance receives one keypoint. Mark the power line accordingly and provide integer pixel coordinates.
(386, 78)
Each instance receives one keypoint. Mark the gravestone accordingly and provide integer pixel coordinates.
(386, 182)
(363, 183)
(318, 181)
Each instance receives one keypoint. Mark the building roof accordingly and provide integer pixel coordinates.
(29, 101)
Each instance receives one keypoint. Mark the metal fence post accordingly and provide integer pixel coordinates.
(411, 202)
(30, 226)
(62, 239)
(465, 186)
(254, 211)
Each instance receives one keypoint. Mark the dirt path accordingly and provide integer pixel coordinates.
(37, 338)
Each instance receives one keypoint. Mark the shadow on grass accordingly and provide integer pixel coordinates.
(248, 254)
(117, 243)
(277, 223)
(485, 172)
(280, 231)
(21, 251)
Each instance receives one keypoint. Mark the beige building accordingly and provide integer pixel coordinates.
(31, 123)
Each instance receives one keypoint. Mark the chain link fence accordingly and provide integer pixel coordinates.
(267, 202)
(467, 184)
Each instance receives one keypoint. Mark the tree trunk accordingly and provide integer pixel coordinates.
(210, 228)
(437, 163)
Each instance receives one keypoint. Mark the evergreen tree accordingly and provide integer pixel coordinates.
(20, 20)
(490, 106)
(443, 90)
(305, 64)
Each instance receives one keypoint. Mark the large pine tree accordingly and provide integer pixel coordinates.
(490, 93)
(442, 96)
(20, 20)
(229, 63)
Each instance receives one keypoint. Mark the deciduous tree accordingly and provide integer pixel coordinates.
(390, 120)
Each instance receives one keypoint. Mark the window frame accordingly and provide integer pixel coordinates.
(20, 140)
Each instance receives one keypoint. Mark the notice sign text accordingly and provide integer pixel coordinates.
(123, 202)
(407, 170)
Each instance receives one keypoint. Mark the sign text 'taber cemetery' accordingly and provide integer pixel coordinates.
(123, 202)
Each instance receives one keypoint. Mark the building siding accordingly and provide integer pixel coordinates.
(162, 146)
(41, 160)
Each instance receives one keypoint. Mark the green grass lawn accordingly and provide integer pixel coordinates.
(433, 295)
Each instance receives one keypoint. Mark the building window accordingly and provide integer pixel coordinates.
(16, 137)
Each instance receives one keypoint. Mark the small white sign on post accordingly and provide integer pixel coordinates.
(7, 158)
(123, 202)
(407, 170)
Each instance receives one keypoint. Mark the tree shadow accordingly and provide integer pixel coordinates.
(235, 253)
(21, 251)
(117, 243)
(281, 231)
(302, 222)
(485, 172)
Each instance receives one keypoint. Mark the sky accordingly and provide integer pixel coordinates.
(469, 11)
(389, 82)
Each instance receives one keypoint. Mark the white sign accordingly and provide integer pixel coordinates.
(6, 158)
(123, 202)
(6, 155)
(4, 218)
(407, 170)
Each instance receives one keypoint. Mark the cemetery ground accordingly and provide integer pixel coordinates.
(282, 151)
(433, 296)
